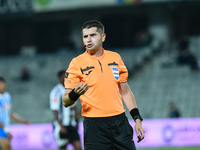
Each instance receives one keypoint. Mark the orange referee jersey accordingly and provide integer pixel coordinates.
(103, 75)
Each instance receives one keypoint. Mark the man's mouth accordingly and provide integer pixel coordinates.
(89, 45)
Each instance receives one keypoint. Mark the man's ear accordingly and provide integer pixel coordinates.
(103, 37)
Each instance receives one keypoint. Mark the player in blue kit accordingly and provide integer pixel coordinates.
(6, 112)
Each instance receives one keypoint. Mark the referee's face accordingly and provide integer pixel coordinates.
(92, 39)
(2, 87)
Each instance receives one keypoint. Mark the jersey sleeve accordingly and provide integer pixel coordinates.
(54, 100)
(123, 72)
(10, 99)
(72, 75)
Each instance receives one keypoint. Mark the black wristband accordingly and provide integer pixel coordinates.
(73, 96)
(136, 114)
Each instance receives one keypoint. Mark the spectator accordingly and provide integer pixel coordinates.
(25, 74)
(143, 38)
(185, 56)
(174, 112)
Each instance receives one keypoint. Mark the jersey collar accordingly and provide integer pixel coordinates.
(96, 58)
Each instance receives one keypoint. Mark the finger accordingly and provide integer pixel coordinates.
(79, 85)
(142, 133)
(84, 88)
(80, 89)
(87, 88)
(137, 131)
(141, 136)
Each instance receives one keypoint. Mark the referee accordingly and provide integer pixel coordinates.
(99, 78)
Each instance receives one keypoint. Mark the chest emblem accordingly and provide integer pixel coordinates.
(115, 71)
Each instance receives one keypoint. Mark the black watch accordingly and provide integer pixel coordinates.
(138, 117)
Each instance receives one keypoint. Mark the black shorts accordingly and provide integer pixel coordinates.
(108, 133)
(72, 134)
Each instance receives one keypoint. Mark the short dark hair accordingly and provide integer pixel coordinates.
(94, 23)
(60, 73)
(2, 79)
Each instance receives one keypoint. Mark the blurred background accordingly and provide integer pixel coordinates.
(158, 40)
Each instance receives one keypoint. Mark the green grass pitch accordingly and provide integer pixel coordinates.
(171, 148)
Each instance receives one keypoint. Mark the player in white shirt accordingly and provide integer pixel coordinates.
(65, 119)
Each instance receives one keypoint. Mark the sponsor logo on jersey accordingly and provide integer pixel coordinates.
(54, 100)
(87, 70)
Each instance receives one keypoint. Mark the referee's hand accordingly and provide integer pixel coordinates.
(139, 130)
(81, 88)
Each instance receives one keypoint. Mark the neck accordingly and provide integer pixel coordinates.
(96, 53)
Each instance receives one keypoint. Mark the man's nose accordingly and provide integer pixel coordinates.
(89, 39)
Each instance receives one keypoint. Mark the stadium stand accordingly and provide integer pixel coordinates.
(31, 98)
(153, 86)
(156, 86)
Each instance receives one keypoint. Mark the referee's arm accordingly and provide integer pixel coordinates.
(71, 95)
(66, 100)
(127, 96)
(130, 103)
